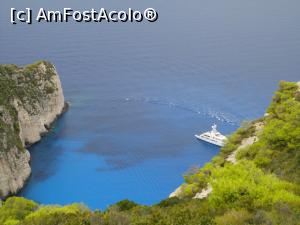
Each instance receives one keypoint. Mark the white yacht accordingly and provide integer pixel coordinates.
(213, 136)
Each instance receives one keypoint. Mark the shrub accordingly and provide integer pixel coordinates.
(125, 205)
(234, 217)
(15, 209)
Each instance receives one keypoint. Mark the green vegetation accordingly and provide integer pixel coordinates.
(278, 148)
(261, 188)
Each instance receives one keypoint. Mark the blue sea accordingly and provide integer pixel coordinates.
(140, 91)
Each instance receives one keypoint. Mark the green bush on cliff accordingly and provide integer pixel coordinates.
(19, 211)
(278, 148)
(245, 186)
(16, 209)
(51, 215)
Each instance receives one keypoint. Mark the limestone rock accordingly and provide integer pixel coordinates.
(204, 193)
(177, 192)
(31, 99)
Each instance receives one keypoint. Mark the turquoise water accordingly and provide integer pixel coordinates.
(139, 92)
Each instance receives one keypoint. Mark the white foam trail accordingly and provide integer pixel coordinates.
(210, 112)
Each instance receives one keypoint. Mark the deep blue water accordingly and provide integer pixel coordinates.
(139, 92)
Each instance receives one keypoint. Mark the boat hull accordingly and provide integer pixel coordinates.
(218, 143)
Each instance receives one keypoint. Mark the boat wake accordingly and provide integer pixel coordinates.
(209, 112)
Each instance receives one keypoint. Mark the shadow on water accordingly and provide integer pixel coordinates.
(45, 154)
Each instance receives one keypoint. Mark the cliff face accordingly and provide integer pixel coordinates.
(30, 100)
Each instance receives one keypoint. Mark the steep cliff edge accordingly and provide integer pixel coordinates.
(31, 98)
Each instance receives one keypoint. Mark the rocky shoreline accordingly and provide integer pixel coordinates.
(28, 113)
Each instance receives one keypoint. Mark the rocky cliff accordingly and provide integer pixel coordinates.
(31, 98)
